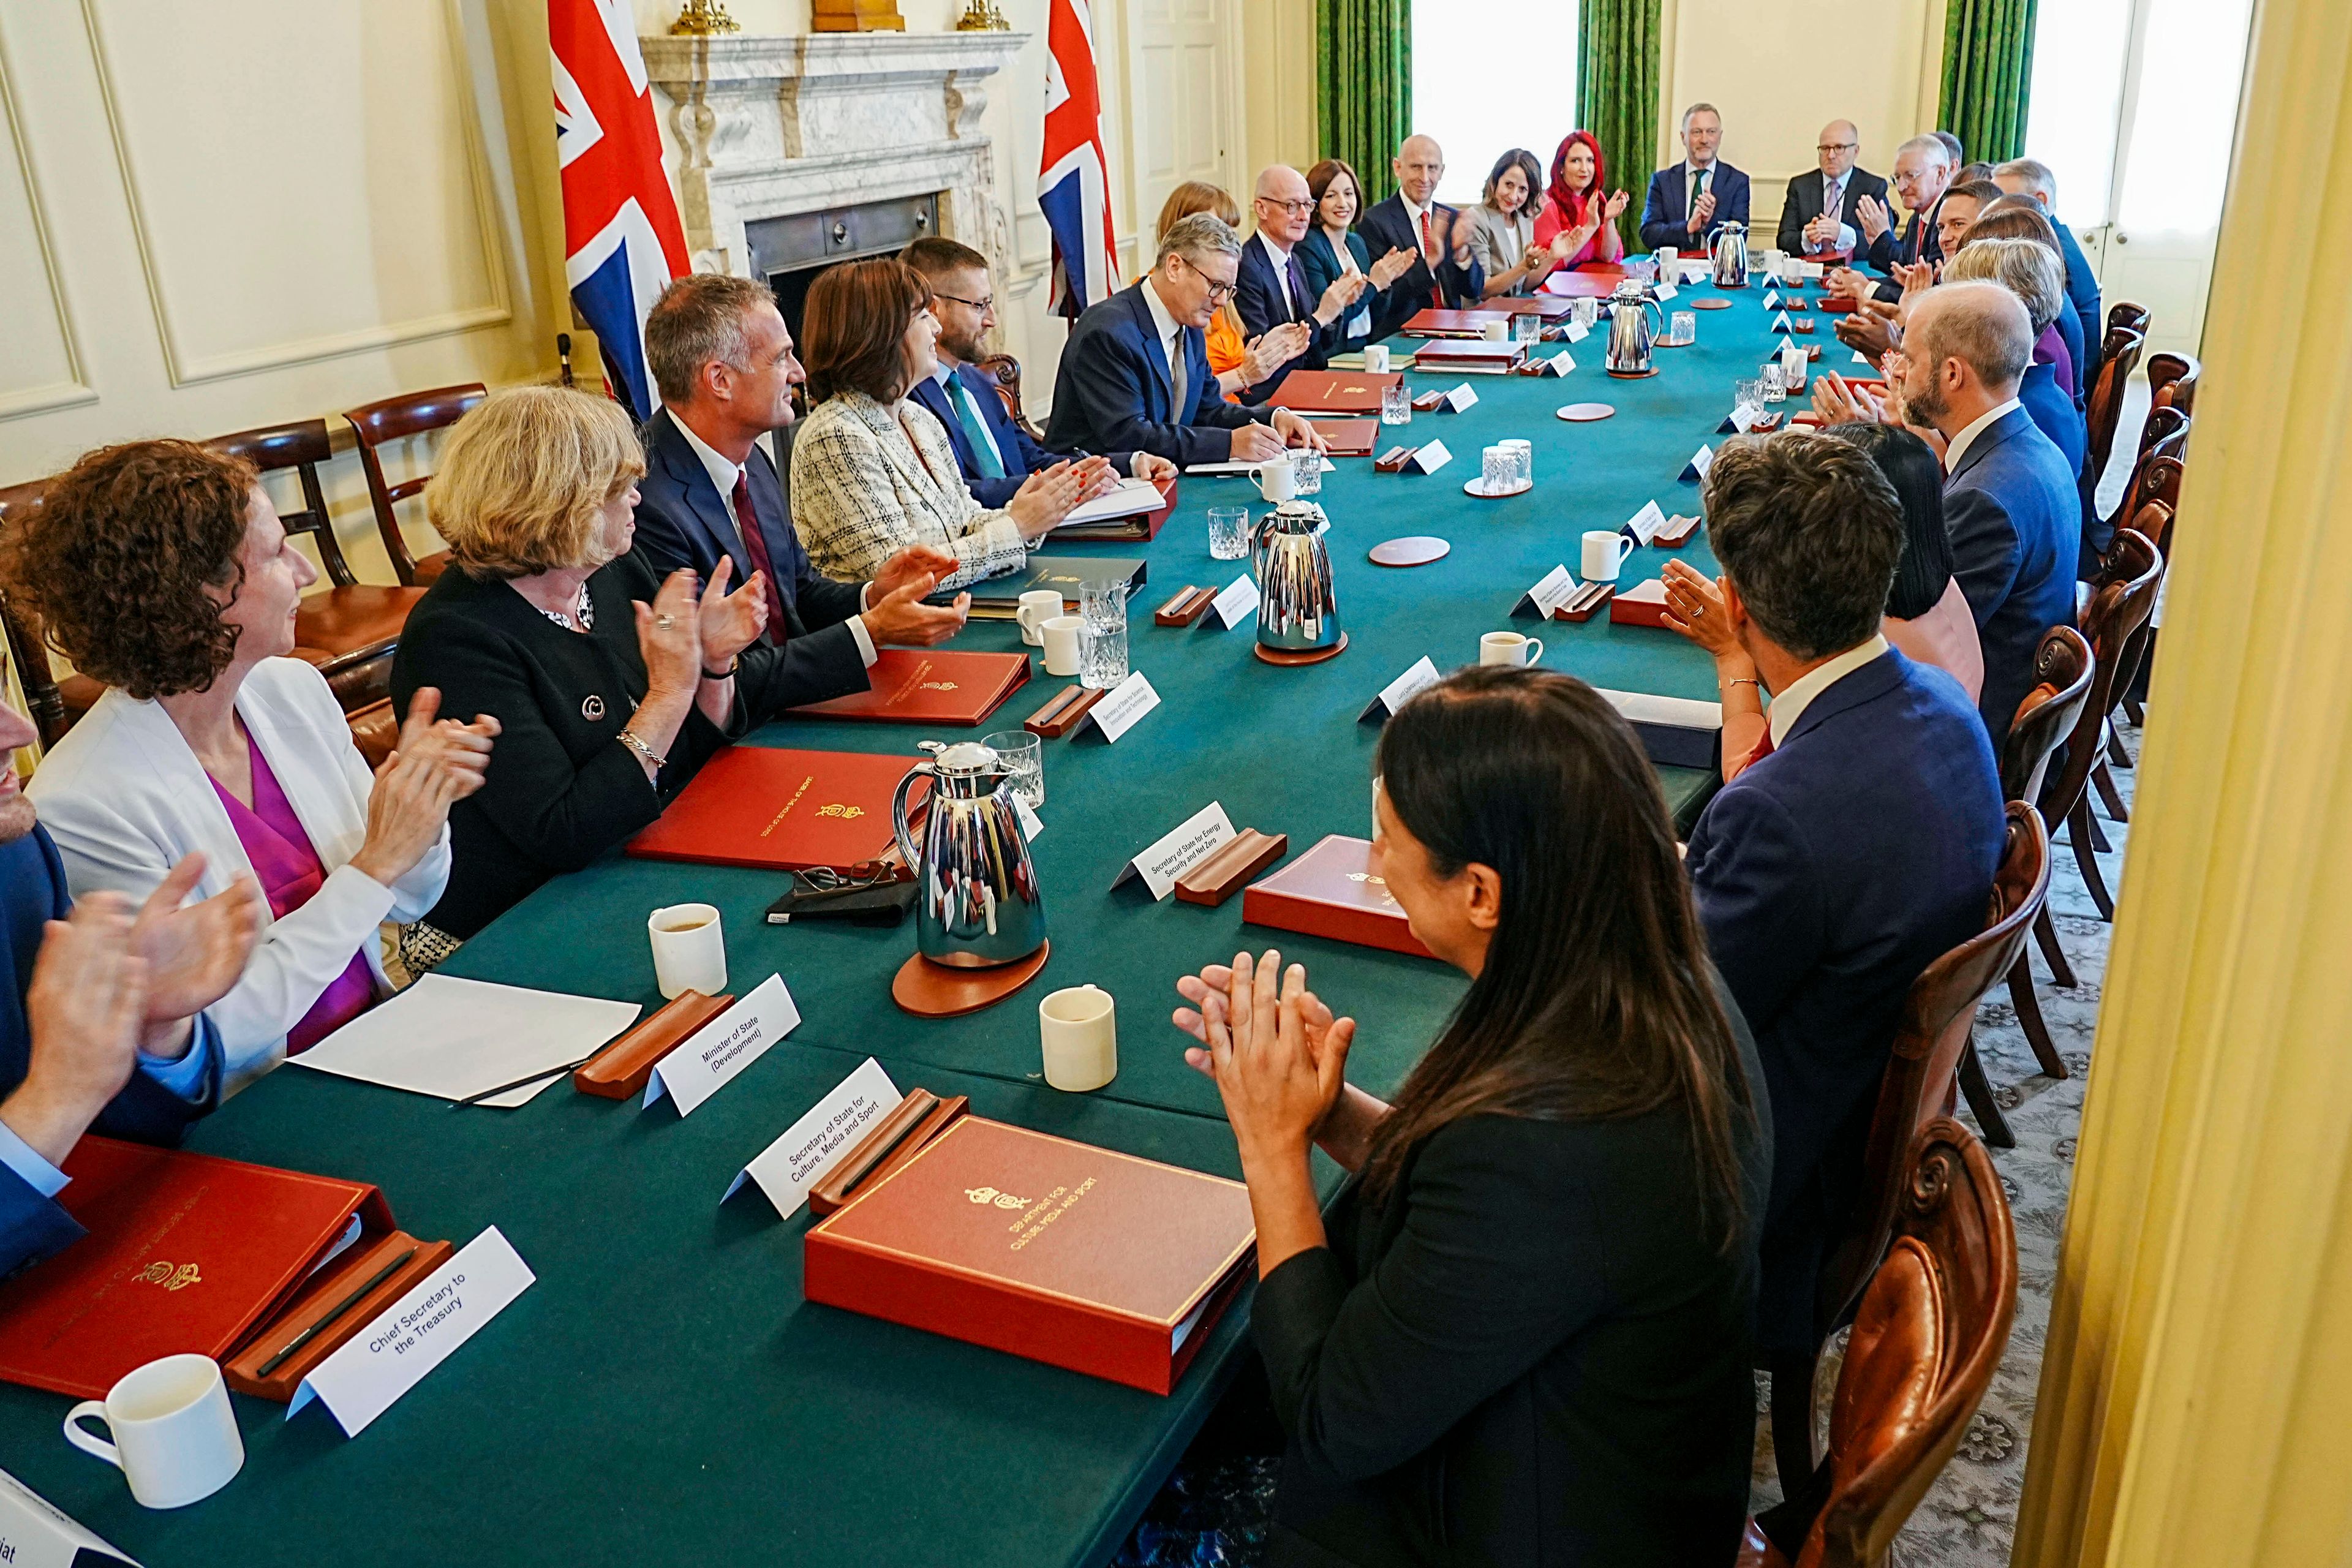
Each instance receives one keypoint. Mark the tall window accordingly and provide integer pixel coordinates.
(1468, 94)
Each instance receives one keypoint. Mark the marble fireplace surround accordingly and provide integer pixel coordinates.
(770, 125)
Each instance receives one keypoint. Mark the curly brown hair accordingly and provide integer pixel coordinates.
(118, 554)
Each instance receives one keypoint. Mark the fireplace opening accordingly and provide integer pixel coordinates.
(790, 252)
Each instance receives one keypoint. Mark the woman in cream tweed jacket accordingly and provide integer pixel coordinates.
(872, 471)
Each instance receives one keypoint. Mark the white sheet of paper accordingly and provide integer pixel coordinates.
(1242, 467)
(1644, 708)
(800, 1157)
(1419, 678)
(1131, 700)
(1168, 858)
(1237, 601)
(36, 1534)
(1643, 525)
(1129, 498)
(707, 1060)
(1431, 458)
(454, 1037)
(369, 1371)
(1551, 591)
(1460, 398)
(1031, 823)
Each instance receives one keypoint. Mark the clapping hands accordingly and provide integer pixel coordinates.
(1391, 266)
(1872, 215)
(1277, 1054)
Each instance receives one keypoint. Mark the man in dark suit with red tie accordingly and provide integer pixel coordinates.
(1270, 292)
(724, 363)
(1445, 274)
(1922, 173)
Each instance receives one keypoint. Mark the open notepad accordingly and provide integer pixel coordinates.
(1128, 497)
(453, 1038)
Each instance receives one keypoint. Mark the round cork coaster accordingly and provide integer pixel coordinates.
(1586, 412)
(1636, 375)
(1301, 656)
(1416, 550)
(1710, 303)
(929, 990)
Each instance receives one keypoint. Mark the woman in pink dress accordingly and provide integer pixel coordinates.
(1580, 222)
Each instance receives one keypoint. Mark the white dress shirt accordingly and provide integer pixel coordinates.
(1299, 309)
(1959, 444)
(1834, 205)
(1790, 706)
(723, 472)
(943, 375)
(1171, 349)
(1437, 235)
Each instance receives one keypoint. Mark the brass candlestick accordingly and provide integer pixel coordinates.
(983, 16)
(702, 18)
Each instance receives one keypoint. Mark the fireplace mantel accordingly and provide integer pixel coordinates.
(769, 125)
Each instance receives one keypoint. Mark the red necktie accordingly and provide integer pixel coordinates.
(756, 544)
(1428, 240)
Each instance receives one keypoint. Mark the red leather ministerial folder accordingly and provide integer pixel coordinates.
(778, 810)
(1348, 437)
(1080, 1256)
(1473, 357)
(1330, 891)
(1598, 282)
(187, 1253)
(1449, 324)
(1551, 306)
(924, 686)
(1333, 391)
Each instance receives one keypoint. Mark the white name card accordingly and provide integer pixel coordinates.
(707, 1060)
(1197, 837)
(1559, 364)
(1780, 323)
(1460, 398)
(1666, 292)
(368, 1372)
(1550, 592)
(1237, 602)
(1643, 525)
(1771, 298)
(1743, 420)
(1576, 331)
(1810, 270)
(1398, 692)
(1861, 358)
(1032, 823)
(34, 1533)
(1696, 470)
(1430, 457)
(786, 1169)
(1131, 700)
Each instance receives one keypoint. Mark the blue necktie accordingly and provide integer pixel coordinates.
(975, 430)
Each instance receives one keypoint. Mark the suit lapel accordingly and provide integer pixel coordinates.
(1990, 436)
(1153, 355)
(933, 396)
(702, 498)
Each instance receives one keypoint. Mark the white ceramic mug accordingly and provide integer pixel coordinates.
(1079, 1028)
(1604, 552)
(1494, 331)
(689, 950)
(1667, 257)
(175, 1437)
(1277, 480)
(1035, 608)
(1060, 636)
(1376, 358)
(1508, 647)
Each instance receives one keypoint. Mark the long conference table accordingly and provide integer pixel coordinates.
(663, 1393)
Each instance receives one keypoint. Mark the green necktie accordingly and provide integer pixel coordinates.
(983, 451)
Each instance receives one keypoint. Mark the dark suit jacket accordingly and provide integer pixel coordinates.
(1802, 203)
(1113, 392)
(1321, 265)
(1913, 239)
(1665, 212)
(1259, 298)
(33, 891)
(2054, 413)
(1387, 228)
(2083, 293)
(1531, 1351)
(2015, 522)
(1828, 874)
(1021, 457)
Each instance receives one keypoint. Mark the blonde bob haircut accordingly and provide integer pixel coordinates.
(523, 476)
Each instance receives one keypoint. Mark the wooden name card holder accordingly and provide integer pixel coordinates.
(621, 1068)
(897, 1138)
(1189, 605)
(1061, 716)
(1222, 875)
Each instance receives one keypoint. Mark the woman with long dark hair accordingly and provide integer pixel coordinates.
(1503, 226)
(1525, 1337)
(1579, 223)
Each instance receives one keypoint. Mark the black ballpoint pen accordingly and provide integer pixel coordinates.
(345, 1305)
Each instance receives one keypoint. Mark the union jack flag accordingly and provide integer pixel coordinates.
(1074, 178)
(621, 239)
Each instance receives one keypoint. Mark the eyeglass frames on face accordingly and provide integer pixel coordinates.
(1837, 146)
(1294, 207)
(984, 306)
(1218, 292)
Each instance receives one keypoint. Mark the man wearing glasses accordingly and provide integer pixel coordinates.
(996, 455)
(1821, 215)
(1270, 292)
(1135, 374)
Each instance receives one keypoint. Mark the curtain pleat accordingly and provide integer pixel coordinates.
(1617, 95)
(1363, 76)
(1988, 74)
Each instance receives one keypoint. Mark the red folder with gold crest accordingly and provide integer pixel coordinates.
(923, 686)
(192, 1253)
(1333, 391)
(1331, 891)
(774, 809)
(1082, 1258)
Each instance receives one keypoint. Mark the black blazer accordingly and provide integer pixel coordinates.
(1387, 228)
(1020, 456)
(1914, 241)
(1113, 393)
(1532, 1352)
(1665, 212)
(1260, 300)
(562, 789)
(1803, 204)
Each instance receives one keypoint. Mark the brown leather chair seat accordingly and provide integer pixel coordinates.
(362, 619)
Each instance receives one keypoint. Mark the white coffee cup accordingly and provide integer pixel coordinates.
(1494, 331)
(1276, 480)
(175, 1437)
(1035, 608)
(1508, 647)
(689, 950)
(1079, 1029)
(1376, 358)
(1060, 638)
(1772, 260)
(1604, 552)
(1667, 257)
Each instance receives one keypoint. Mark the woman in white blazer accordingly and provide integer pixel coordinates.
(872, 471)
(160, 569)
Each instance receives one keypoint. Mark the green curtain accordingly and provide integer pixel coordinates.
(1363, 84)
(1988, 72)
(1617, 95)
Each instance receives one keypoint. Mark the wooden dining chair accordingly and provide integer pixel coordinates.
(1932, 1053)
(56, 702)
(2063, 667)
(1006, 371)
(1927, 1338)
(2129, 314)
(2103, 409)
(375, 730)
(2121, 597)
(379, 424)
(2172, 382)
(351, 629)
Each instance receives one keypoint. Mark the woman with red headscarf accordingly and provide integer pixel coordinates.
(1579, 223)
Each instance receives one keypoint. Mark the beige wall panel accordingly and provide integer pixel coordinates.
(40, 366)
